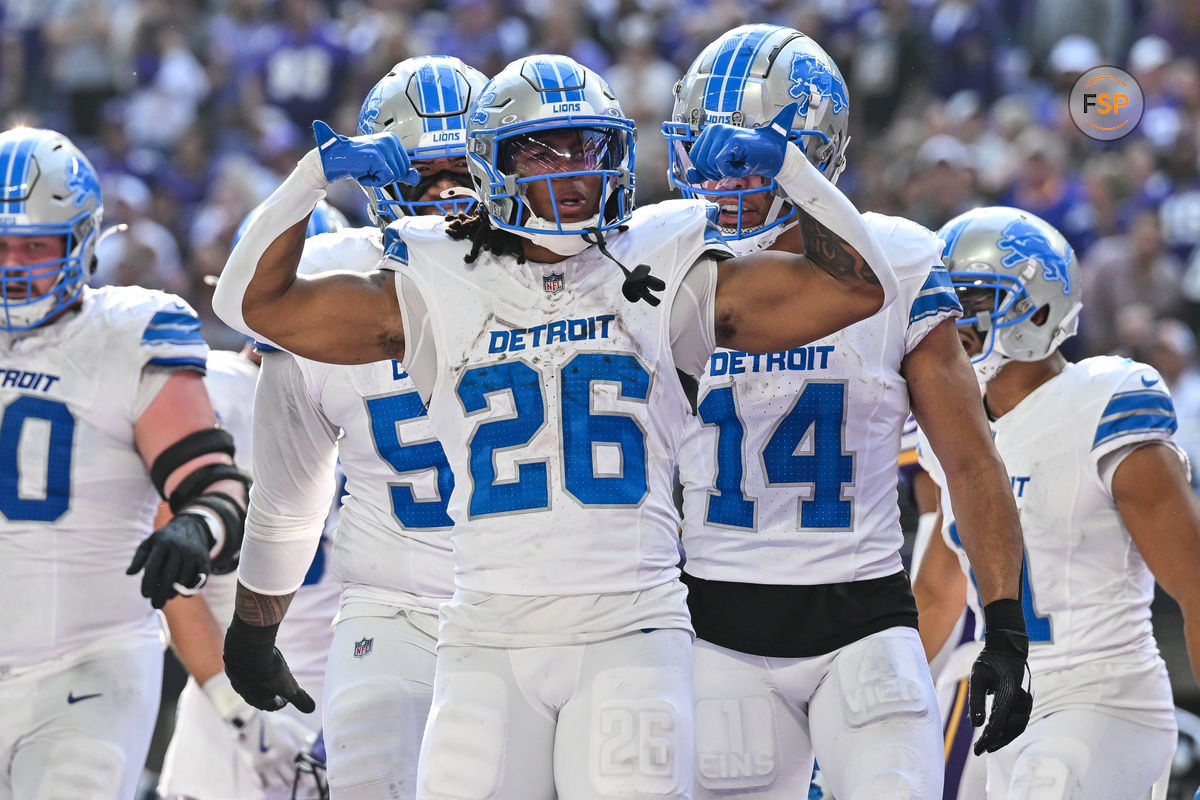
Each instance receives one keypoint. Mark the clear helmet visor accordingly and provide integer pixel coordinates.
(543, 163)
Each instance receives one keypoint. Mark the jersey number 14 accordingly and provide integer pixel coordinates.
(826, 467)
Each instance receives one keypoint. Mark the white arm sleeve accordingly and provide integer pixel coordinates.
(811, 191)
(295, 451)
(291, 202)
(693, 332)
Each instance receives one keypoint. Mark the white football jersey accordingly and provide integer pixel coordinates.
(558, 404)
(1086, 591)
(305, 633)
(75, 496)
(230, 385)
(392, 543)
(789, 468)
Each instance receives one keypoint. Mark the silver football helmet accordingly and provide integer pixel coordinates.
(536, 95)
(47, 188)
(746, 77)
(1006, 264)
(424, 101)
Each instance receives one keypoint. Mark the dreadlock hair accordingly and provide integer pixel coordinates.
(477, 228)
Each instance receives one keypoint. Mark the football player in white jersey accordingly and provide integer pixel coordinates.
(1106, 507)
(564, 656)
(804, 616)
(392, 551)
(222, 748)
(101, 403)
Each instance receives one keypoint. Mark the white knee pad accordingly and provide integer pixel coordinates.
(1042, 776)
(465, 739)
(889, 786)
(373, 737)
(874, 684)
(76, 769)
(736, 747)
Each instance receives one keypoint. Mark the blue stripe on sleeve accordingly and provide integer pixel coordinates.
(1138, 423)
(394, 247)
(937, 296)
(1124, 402)
(196, 363)
(173, 327)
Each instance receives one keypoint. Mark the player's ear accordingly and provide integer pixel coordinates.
(1041, 315)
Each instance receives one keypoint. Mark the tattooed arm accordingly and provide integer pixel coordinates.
(261, 610)
(830, 252)
(771, 300)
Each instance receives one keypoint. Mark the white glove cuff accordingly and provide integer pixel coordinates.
(808, 188)
(216, 527)
(229, 704)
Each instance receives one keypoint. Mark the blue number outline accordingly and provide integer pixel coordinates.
(716, 492)
(522, 472)
(409, 407)
(1040, 627)
(813, 426)
(564, 385)
(55, 503)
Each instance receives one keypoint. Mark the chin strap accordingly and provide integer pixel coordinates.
(639, 283)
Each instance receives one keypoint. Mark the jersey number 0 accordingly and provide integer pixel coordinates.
(60, 436)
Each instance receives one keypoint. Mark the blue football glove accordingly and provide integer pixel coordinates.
(373, 160)
(727, 151)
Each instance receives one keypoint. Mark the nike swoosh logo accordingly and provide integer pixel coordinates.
(262, 740)
(1150, 382)
(72, 699)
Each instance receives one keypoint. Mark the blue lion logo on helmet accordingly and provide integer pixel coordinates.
(370, 110)
(83, 182)
(479, 115)
(1025, 242)
(808, 76)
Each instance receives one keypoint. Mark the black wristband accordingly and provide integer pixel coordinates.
(1004, 615)
(1004, 627)
(261, 635)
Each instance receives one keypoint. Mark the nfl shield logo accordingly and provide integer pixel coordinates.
(553, 283)
(362, 648)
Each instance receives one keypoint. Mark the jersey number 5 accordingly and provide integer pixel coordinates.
(385, 413)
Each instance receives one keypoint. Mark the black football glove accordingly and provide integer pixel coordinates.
(257, 670)
(1000, 671)
(175, 558)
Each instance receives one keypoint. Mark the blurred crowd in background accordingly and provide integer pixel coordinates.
(193, 111)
